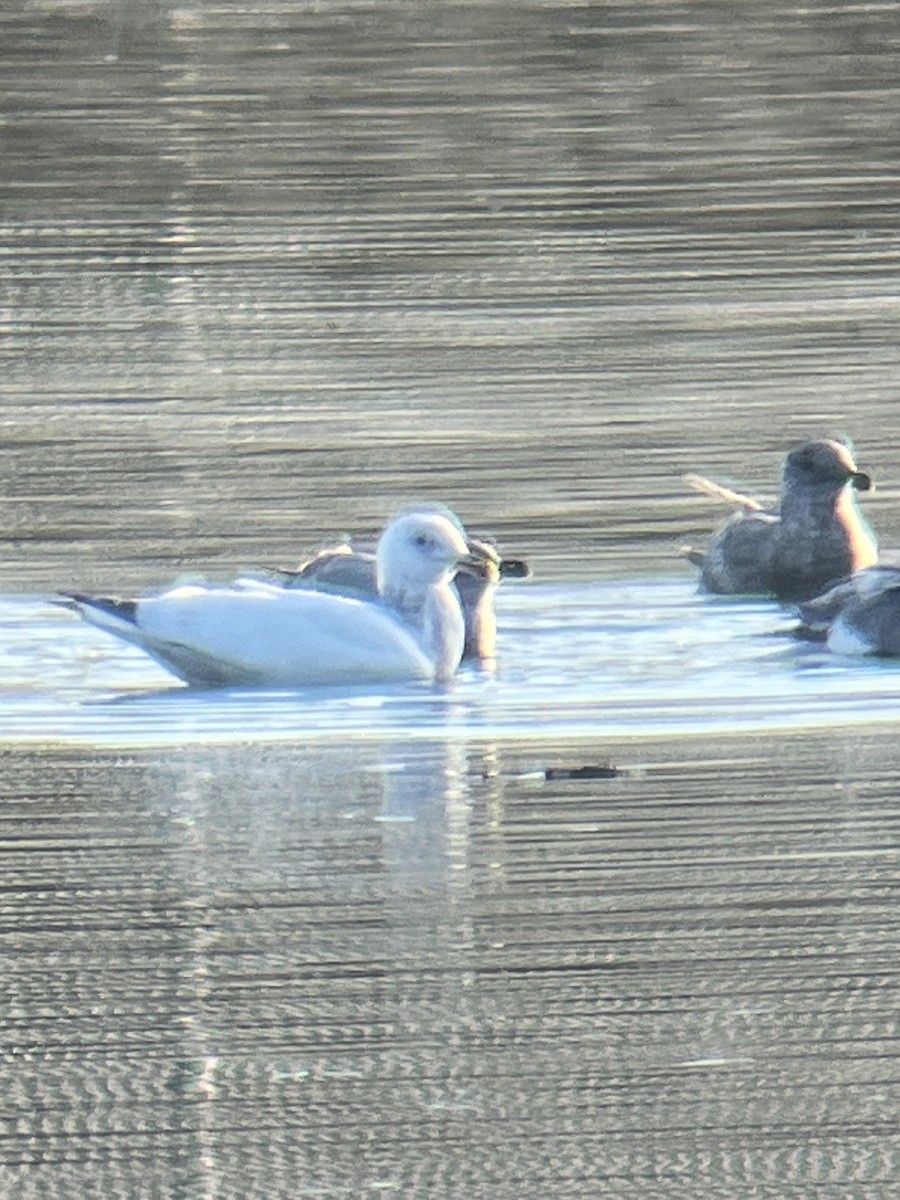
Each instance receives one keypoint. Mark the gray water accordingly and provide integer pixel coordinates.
(269, 272)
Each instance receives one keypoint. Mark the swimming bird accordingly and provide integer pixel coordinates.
(254, 633)
(859, 615)
(815, 537)
(349, 567)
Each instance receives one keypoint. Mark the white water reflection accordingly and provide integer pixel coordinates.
(576, 660)
(393, 816)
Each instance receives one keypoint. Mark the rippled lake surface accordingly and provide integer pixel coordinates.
(618, 919)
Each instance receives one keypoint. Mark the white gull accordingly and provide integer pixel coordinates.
(254, 633)
(349, 568)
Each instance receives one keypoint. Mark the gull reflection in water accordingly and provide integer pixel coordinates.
(319, 890)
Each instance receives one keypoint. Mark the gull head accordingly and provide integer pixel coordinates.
(417, 551)
(822, 467)
(476, 582)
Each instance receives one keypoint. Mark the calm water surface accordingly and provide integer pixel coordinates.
(575, 661)
(270, 271)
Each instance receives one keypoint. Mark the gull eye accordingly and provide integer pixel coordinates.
(422, 539)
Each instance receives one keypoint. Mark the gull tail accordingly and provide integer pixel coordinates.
(107, 612)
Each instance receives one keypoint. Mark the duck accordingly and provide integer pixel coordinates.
(815, 537)
(253, 633)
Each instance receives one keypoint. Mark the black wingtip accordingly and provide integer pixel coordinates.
(126, 610)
